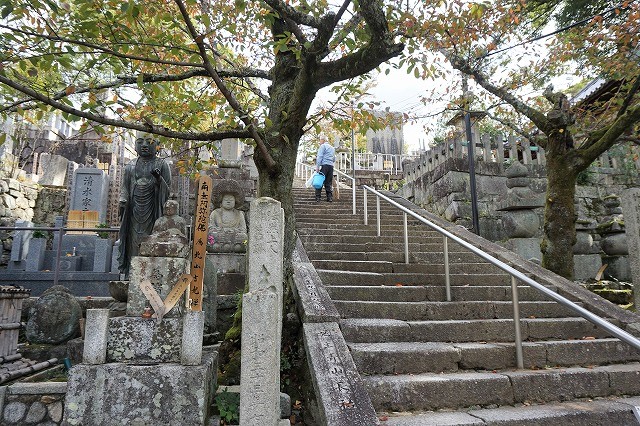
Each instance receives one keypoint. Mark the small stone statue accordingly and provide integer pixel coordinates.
(169, 236)
(170, 220)
(227, 226)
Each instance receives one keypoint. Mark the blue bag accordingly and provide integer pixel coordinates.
(318, 180)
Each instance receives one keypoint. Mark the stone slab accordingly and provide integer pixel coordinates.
(342, 398)
(143, 340)
(228, 262)
(527, 248)
(630, 201)
(260, 373)
(314, 303)
(163, 272)
(586, 266)
(116, 394)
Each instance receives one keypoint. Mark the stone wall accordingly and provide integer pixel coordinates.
(17, 201)
(32, 403)
(444, 190)
(49, 204)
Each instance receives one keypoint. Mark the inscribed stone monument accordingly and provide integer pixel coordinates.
(90, 191)
(262, 316)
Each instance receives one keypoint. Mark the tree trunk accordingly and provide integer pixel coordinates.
(560, 213)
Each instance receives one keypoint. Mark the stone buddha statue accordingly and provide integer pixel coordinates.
(227, 226)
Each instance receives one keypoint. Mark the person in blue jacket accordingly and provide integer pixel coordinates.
(324, 164)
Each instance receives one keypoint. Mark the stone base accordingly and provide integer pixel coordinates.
(228, 262)
(618, 268)
(527, 248)
(586, 266)
(144, 341)
(122, 394)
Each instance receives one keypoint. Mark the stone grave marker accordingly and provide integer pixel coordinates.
(262, 316)
(90, 191)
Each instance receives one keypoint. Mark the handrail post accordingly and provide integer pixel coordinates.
(378, 213)
(59, 249)
(366, 220)
(406, 238)
(447, 277)
(353, 194)
(516, 322)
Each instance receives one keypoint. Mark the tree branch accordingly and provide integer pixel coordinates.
(537, 117)
(609, 135)
(102, 49)
(290, 12)
(149, 128)
(231, 100)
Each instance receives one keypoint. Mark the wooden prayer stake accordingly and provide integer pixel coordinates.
(199, 250)
(176, 292)
(154, 298)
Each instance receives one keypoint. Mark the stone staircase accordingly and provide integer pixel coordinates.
(425, 361)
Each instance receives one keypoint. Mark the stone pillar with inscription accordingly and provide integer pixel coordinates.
(90, 191)
(262, 316)
(155, 370)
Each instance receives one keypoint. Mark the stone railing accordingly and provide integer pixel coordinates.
(500, 149)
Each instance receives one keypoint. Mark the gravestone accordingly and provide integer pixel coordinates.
(262, 316)
(90, 191)
(52, 169)
(19, 246)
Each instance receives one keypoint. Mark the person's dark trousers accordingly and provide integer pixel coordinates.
(328, 182)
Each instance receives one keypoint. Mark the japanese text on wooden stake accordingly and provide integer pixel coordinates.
(199, 250)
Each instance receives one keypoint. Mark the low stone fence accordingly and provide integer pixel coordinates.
(32, 403)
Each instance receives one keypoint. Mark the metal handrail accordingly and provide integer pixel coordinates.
(62, 230)
(304, 168)
(515, 276)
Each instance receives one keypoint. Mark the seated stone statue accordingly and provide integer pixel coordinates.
(169, 235)
(227, 226)
(170, 220)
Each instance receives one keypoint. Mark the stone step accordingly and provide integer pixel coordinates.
(395, 256)
(597, 412)
(372, 330)
(441, 311)
(302, 221)
(383, 246)
(334, 277)
(434, 391)
(356, 238)
(370, 231)
(389, 267)
(439, 357)
(432, 293)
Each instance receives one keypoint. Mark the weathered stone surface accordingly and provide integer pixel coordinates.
(228, 262)
(119, 290)
(521, 223)
(36, 413)
(55, 411)
(615, 244)
(169, 243)
(54, 318)
(314, 302)
(144, 340)
(163, 272)
(192, 330)
(631, 207)
(260, 373)
(117, 394)
(14, 412)
(337, 384)
(95, 336)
